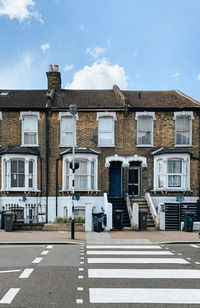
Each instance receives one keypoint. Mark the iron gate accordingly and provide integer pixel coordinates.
(174, 214)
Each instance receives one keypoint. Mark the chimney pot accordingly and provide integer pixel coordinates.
(50, 68)
(56, 68)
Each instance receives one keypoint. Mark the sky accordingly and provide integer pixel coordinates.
(136, 44)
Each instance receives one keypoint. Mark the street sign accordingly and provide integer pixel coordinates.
(180, 198)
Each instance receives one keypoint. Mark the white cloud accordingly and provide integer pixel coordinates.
(19, 75)
(82, 28)
(175, 75)
(95, 52)
(198, 77)
(19, 9)
(68, 67)
(135, 54)
(101, 75)
(45, 47)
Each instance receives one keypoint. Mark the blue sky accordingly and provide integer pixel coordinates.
(136, 44)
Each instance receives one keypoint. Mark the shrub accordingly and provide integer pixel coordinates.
(64, 220)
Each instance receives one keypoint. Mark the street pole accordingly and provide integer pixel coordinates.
(73, 111)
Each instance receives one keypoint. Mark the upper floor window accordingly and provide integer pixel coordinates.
(106, 136)
(29, 128)
(85, 177)
(172, 172)
(67, 129)
(183, 128)
(145, 128)
(19, 172)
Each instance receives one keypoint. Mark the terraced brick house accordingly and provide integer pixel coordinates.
(131, 146)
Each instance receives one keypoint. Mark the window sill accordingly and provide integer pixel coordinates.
(171, 190)
(106, 146)
(20, 190)
(29, 145)
(183, 145)
(67, 146)
(145, 146)
(80, 190)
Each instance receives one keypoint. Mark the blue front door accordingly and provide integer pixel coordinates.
(115, 180)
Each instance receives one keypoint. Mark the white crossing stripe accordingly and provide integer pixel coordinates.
(123, 247)
(144, 273)
(195, 246)
(145, 295)
(49, 247)
(26, 273)
(9, 296)
(119, 252)
(45, 252)
(9, 271)
(137, 260)
(37, 260)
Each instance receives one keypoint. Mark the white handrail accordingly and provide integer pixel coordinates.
(152, 208)
(129, 208)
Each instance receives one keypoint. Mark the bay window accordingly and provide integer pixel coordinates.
(171, 172)
(85, 177)
(19, 172)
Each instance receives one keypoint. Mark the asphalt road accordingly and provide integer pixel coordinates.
(166, 276)
(142, 276)
(39, 276)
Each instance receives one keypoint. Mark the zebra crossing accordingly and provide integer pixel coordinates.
(140, 274)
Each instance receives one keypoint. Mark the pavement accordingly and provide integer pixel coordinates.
(111, 237)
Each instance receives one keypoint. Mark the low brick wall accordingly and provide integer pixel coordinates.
(63, 227)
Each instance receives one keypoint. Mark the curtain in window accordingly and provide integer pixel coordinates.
(81, 176)
(30, 174)
(17, 173)
(174, 171)
(106, 131)
(182, 130)
(144, 126)
(66, 130)
(30, 129)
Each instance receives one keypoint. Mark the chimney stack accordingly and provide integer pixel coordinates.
(54, 78)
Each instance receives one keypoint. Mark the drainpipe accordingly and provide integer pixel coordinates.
(57, 160)
(47, 160)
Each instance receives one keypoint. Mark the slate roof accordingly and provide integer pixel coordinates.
(19, 150)
(160, 99)
(88, 99)
(23, 99)
(97, 99)
(169, 150)
(81, 150)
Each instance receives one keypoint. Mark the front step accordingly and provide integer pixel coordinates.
(120, 204)
(143, 206)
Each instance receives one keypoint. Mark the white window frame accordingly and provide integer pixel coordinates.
(190, 115)
(89, 158)
(60, 117)
(111, 115)
(6, 175)
(185, 175)
(147, 114)
(29, 114)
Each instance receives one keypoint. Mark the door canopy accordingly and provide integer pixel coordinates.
(126, 160)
